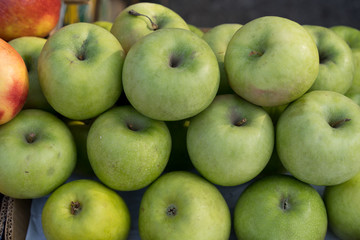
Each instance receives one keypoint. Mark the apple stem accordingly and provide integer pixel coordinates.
(30, 138)
(241, 122)
(135, 13)
(255, 53)
(75, 208)
(338, 123)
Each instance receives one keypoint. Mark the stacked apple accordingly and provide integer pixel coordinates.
(135, 104)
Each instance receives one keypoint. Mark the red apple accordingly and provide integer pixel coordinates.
(14, 82)
(20, 18)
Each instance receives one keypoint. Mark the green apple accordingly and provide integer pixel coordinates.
(126, 149)
(29, 49)
(196, 30)
(352, 38)
(218, 39)
(170, 75)
(343, 211)
(354, 96)
(141, 19)
(225, 139)
(80, 70)
(271, 61)
(104, 24)
(37, 154)
(336, 70)
(85, 209)
(318, 138)
(182, 205)
(280, 207)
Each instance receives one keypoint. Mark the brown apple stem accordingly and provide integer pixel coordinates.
(241, 122)
(30, 138)
(75, 208)
(339, 122)
(135, 13)
(256, 53)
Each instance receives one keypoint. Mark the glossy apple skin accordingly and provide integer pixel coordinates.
(218, 39)
(30, 48)
(32, 169)
(343, 212)
(310, 148)
(168, 92)
(201, 210)
(271, 61)
(20, 18)
(128, 29)
(14, 82)
(79, 70)
(225, 153)
(103, 213)
(261, 206)
(336, 69)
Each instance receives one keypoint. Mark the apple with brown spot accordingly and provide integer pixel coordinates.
(20, 18)
(14, 82)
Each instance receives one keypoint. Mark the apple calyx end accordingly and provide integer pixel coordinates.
(75, 208)
(171, 210)
(135, 13)
(31, 137)
(338, 123)
(284, 204)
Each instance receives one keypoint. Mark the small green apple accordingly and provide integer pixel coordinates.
(182, 205)
(126, 149)
(85, 209)
(336, 70)
(271, 61)
(104, 24)
(37, 154)
(231, 141)
(318, 138)
(196, 30)
(280, 207)
(80, 70)
(218, 39)
(141, 19)
(179, 75)
(343, 211)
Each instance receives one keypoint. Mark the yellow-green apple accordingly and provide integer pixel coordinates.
(14, 82)
(141, 19)
(218, 39)
(343, 211)
(280, 207)
(336, 67)
(179, 75)
(223, 141)
(104, 24)
(80, 69)
(19, 18)
(37, 154)
(271, 61)
(29, 49)
(85, 209)
(126, 149)
(182, 205)
(196, 30)
(318, 138)
(352, 38)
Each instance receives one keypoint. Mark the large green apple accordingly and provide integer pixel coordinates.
(218, 39)
(280, 207)
(182, 205)
(271, 61)
(126, 149)
(231, 141)
(85, 209)
(80, 70)
(37, 154)
(352, 38)
(336, 70)
(343, 211)
(318, 138)
(29, 49)
(170, 75)
(141, 19)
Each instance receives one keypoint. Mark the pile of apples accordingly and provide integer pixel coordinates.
(151, 102)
